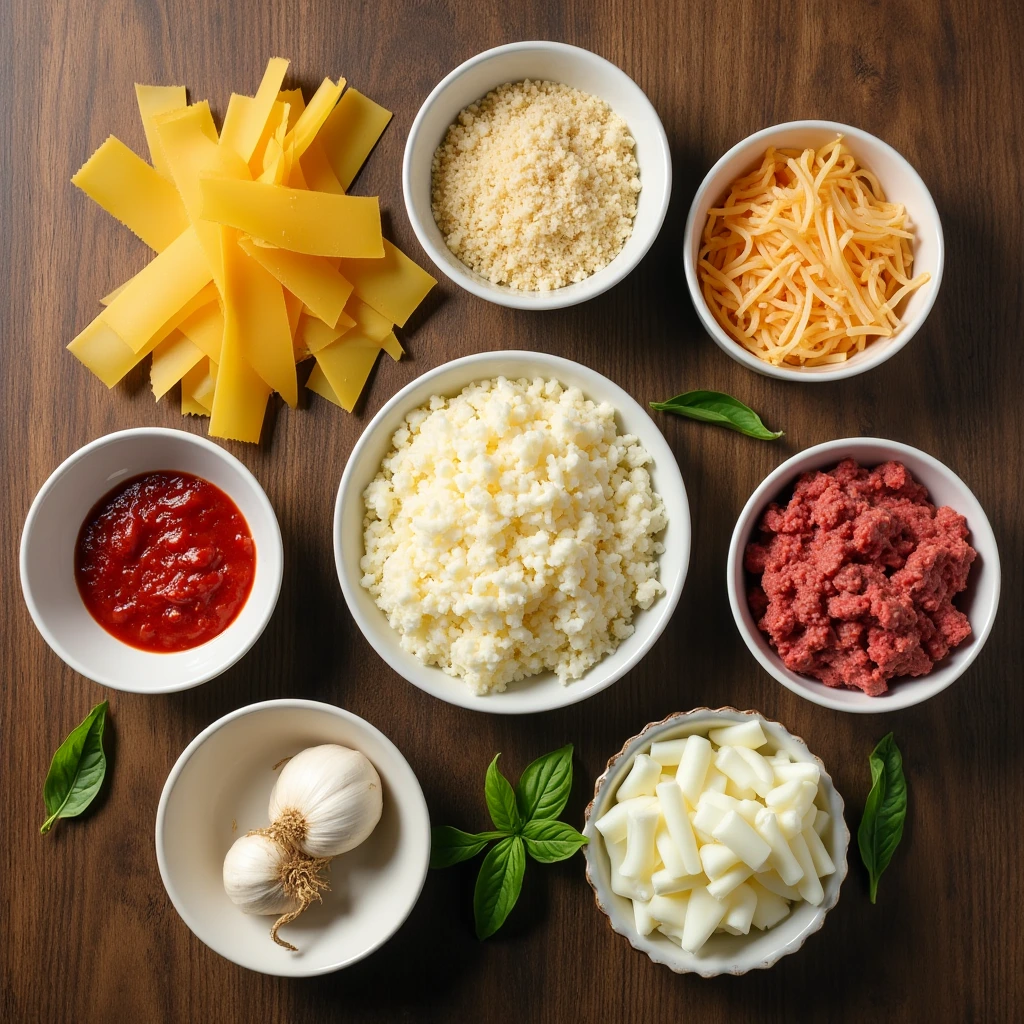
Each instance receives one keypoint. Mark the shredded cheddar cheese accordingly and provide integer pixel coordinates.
(805, 263)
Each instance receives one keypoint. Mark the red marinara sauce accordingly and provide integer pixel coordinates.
(165, 561)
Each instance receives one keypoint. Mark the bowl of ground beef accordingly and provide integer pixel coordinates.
(863, 575)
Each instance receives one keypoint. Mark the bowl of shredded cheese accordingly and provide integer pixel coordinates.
(512, 532)
(813, 251)
(537, 175)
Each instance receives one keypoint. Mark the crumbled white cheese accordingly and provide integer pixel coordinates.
(535, 186)
(512, 530)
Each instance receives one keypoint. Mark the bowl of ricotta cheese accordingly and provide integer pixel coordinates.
(512, 532)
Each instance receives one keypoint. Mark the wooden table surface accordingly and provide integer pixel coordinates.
(88, 931)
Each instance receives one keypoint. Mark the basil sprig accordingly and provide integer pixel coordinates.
(525, 822)
(77, 770)
(881, 827)
(718, 407)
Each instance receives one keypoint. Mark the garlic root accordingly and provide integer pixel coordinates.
(301, 880)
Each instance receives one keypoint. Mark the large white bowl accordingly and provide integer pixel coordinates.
(541, 61)
(48, 559)
(219, 789)
(979, 601)
(902, 184)
(722, 953)
(542, 692)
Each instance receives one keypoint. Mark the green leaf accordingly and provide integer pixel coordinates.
(498, 885)
(501, 801)
(881, 827)
(77, 770)
(450, 846)
(544, 787)
(718, 407)
(551, 841)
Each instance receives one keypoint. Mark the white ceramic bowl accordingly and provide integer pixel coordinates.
(219, 789)
(541, 692)
(722, 953)
(48, 559)
(902, 184)
(979, 601)
(556, 62)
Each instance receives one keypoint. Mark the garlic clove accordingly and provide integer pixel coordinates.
(253, 876)
(327, 800)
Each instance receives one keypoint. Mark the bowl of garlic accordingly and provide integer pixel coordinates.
(292, 837)
(717, 842)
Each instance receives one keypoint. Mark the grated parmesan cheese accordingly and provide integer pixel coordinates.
(535, 186)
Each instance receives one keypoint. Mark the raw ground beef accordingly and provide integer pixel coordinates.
(857, 577)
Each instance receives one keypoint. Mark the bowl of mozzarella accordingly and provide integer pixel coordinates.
(717, 842)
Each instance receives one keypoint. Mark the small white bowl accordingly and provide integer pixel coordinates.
(541, 692)
(539, 61)
(979, 601)
(901, 183)
(48, 559)
(722, 953)
(219, 789)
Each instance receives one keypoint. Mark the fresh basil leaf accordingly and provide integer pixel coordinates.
(881, 827)
(544, 787)
(77, 770)
(501, 801)
(551, 841)
(498, 885)
(450, 846)
(718, 407)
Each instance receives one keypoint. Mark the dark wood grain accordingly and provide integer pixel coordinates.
(88, 932)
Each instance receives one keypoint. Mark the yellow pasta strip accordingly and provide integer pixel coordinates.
(190, 405)
(133, 193)
(347, 368)
(350, 133)
(316, 171)
(315, 114)
(311, 278)
(367, 320)
(159, 291)
(314, 223)
(154, 100)
(235, 119)
(319, 385)
(312, 334)
(172, 359)
(257, 113)
(393, 286)
(255, 310)
(273, 131)
(205, 328)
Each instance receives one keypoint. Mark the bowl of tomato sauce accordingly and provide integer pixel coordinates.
(151, 560)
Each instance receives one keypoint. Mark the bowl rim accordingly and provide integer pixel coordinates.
(460, 695)
(643, 738)
(282, 703)
(103, 677)
(501, 295)
(806, 686)
(736, 351)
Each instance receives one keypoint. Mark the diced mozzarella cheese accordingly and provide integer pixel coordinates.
(641, 853)
(714, 782)
(732, 766)
(641, 780)
(819, 855)
(630, 888)
(693, 767)
(801, 771)
(721, 887)
(790, 823)
(671, 910)
(809, 887)
(742, 902)
(770, 909)
(708, 815)
(665, 883)
(761, 768)
(781, 859)
(821, 820)
(745, 734)
(668, 852)
(734, 832)
(668, 752)
(645, 924)
(796, 795)
(771, 881)
(716, 859)
(749, 810)
(612, 824)
(673, 808)
(704, 914)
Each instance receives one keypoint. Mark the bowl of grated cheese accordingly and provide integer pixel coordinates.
(537, 175)
(512, 532)
(813, 290)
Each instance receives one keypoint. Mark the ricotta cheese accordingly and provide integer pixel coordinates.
(512, 530)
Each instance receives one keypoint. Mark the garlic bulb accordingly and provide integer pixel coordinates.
(264, 876)
(254, 872)
(327, 800)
